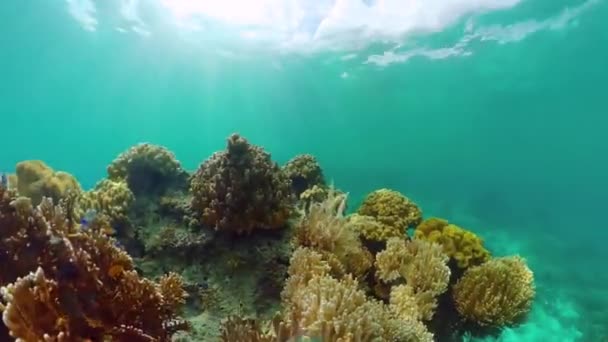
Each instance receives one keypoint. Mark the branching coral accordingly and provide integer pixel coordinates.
(82, 283)
(325, 228)
(304, 172)
(241, 189)
(148, 170)
(495, 293)
(422, 265)
(35, 180)
(392, 210)
(462, 245)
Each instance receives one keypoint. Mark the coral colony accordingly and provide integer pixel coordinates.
(240, 250)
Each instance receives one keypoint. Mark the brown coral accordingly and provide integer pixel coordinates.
(35, 180)
(304, 172)
(84, 287)
(392, 210)
(325, 228)
(463, 246)
(148, 170)
(495, 293)
(241, 189)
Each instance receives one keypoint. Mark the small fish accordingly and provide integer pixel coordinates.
(4, 180)
(87, 218)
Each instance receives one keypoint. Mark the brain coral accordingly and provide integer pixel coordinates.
(304, 172)
(460, 244)
(495, 293)
(241, 189)
(148, 169)
(392, 210)
(35, 179)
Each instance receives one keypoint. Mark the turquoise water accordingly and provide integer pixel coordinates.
(496, 120)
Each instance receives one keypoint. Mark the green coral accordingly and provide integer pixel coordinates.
(463, 246)
(392, 210)
(495, 293)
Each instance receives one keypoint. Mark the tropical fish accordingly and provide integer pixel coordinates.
(87, 218)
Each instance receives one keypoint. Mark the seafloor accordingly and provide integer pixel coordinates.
(243, 249)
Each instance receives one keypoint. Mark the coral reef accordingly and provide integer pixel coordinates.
(67, 283)
(241, 189)
(35, 179)
(495, 293)
(148, 170)
(304, 172)
(392, 210)
(463, 246)
(252, 252)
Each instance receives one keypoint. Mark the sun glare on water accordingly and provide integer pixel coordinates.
(237, 12)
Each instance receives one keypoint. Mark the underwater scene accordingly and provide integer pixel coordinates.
(303, 170)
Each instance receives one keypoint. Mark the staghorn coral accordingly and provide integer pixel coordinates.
(422, 265)
(148, 170)
(325, 229)
(304, 172)
(241, 189)
(392, 210)
(35, 179)
(463, 246)
(495, 293)
(81, 282)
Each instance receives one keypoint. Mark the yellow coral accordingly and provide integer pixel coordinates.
(111, 198)
(325, 228)
(338, 311)
(495, 293)
(392, 210)
(305, 263)
(171, 287)
(424, 268)
(35, 180)
(463, 246)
